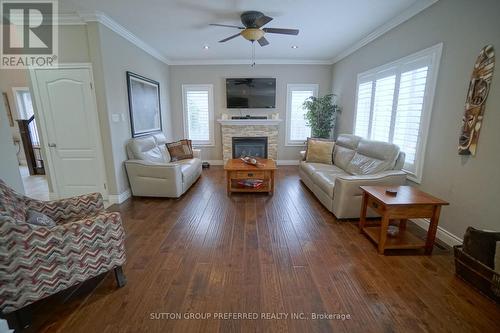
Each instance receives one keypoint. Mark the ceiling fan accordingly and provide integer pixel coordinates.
(252, 30)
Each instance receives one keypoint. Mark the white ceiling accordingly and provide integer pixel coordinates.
(179, 29)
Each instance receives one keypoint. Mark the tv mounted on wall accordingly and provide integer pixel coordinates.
(251, 93)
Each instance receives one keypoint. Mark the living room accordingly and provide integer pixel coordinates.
(385, 221)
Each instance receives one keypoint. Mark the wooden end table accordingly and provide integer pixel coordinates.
(409, 202)
(237, 171)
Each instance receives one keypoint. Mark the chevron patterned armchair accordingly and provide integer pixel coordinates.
(39, 261)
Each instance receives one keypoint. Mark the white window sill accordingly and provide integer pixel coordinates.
(295, 144)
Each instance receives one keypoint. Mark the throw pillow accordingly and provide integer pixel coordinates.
(320, 151)
(180, 150)
(37, 218)
(497, 258)
(481, 245)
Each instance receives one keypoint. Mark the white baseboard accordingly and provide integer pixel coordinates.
(119, 198)
(287, 162)
(443, 235)
(53, 196)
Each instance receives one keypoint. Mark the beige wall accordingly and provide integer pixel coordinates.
(470, 184)
(216, 75)
(112, 56)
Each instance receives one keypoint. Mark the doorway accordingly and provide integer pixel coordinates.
(31, 162)
(67, 120)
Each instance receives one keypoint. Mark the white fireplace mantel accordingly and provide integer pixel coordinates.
(246, 122)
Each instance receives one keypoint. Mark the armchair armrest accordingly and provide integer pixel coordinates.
(154, 179)
(196, 153)
(350, 185)
(70, 208)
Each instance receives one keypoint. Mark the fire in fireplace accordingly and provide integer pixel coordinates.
(250, 146)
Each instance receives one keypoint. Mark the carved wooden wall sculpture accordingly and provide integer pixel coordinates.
(479, 87)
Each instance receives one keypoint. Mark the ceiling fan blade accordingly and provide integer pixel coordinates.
(263, 41)
(262, 21)
(281, 31)
(226, 25)
(228, 38)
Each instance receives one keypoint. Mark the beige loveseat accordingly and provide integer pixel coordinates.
(150, 172)
(356, 162)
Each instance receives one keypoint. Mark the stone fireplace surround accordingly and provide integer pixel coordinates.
(250, 128)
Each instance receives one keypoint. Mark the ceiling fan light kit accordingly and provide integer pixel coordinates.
(252, 34)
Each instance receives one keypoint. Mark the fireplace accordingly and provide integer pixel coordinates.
(250, 146)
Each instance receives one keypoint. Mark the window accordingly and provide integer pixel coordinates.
(394, 104)
(198, 103)
(296, 129)
(23, 102)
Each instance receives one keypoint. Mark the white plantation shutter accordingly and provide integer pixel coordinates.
(382, 108)
(409, 113)
(297, 130)
(394, 105)
(198, 113)
(363, 109)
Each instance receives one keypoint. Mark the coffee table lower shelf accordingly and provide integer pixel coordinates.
(404, 239)
(235, 187)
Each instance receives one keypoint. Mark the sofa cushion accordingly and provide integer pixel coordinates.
(373, 157)
(145, 148)
(319, 151)
(345, 148)
(311, 168)
(180, 150)
(325, 179)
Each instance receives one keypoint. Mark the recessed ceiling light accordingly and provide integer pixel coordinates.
(206, 47)
(295, 47)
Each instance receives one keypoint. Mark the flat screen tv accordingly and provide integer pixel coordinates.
(247, 93)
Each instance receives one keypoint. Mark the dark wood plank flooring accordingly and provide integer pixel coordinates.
(207, 253)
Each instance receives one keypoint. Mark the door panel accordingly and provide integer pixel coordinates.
(72, 130)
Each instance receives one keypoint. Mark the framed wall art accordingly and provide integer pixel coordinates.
(144, 105)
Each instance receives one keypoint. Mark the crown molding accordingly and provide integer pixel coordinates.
(123, 32)
(204, 62)
(70, 19)
(83, 17)
(413, 10)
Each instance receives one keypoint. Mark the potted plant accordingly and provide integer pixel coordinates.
(321, 115)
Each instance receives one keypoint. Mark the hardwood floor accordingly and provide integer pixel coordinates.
(35, 187)
(208, 253)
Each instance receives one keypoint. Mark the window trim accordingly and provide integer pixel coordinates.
(289, 88)
(434, 54)
(211, 116)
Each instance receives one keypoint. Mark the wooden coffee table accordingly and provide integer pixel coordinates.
(409, 202)
(238, 171)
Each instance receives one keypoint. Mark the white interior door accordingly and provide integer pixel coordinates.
(67, 112)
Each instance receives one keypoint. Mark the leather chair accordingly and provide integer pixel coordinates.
(150, 172)
(39, 261)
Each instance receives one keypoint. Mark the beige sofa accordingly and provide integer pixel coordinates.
(150, 172)
(356, 162)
